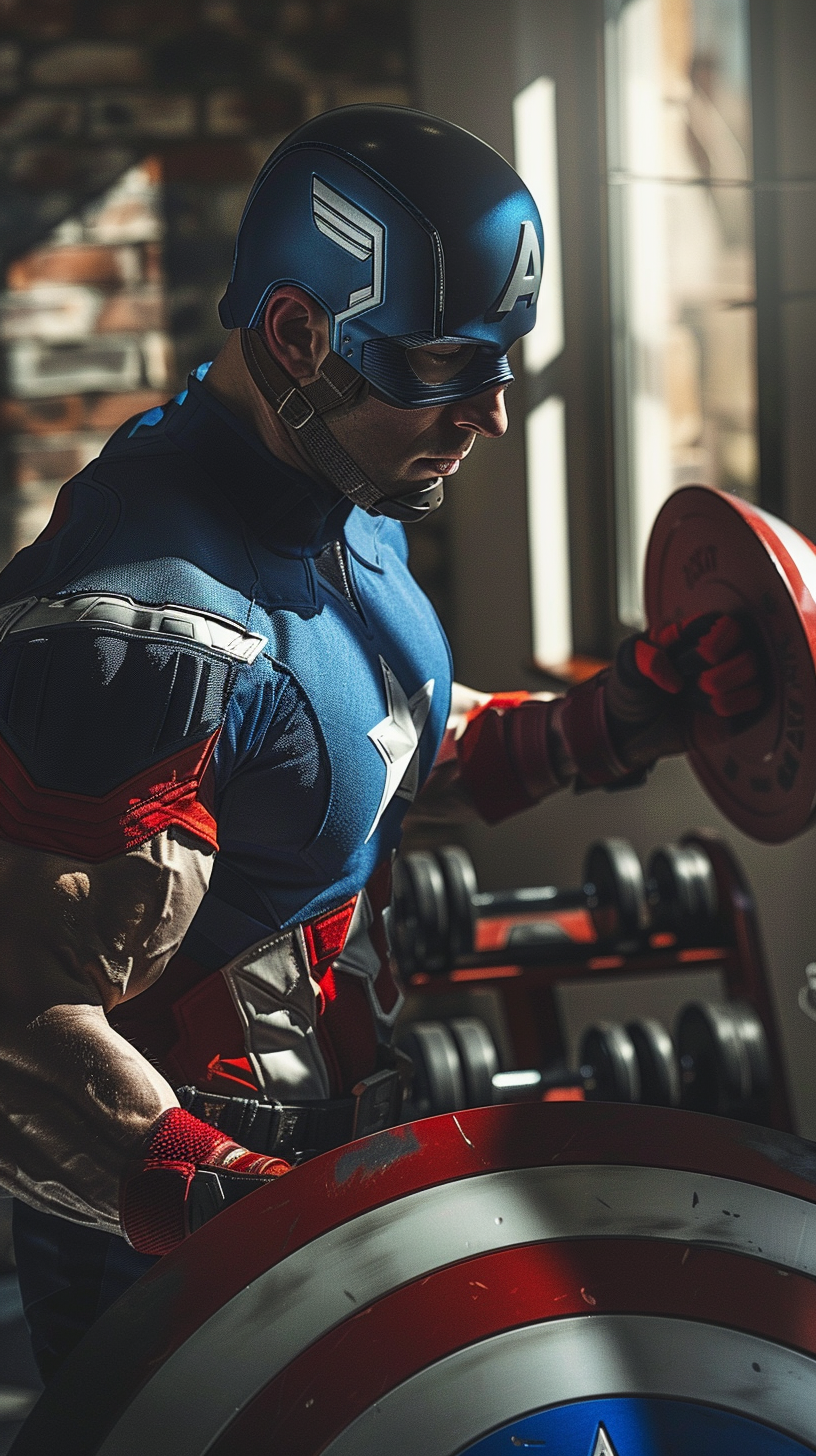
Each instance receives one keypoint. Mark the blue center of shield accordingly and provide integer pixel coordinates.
(636, 1427)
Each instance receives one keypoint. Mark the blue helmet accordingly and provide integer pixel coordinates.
(408, 231)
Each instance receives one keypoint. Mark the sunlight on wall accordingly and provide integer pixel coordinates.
(549, 533)
(536, 156)
(536, 149)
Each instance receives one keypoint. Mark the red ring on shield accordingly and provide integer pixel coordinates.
(711, 552)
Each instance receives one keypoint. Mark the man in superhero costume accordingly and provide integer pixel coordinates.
(221, 689)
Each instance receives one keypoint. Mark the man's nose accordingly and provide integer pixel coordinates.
(484, 413)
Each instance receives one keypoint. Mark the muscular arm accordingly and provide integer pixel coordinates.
(76, 1100)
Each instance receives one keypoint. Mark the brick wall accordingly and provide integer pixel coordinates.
(83, 322)
(207, 86)
(130, 131)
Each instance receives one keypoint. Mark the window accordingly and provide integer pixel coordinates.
(682, 269)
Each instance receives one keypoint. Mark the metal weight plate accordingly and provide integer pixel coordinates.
(404, 923)
(608, 1049)
(682, 890)
(601, 1279)
(724, 1063)
(460, 886)
(617, 898)
(420, 914)
(752, 1035)
(657, 1063)
(711, 552)
(478, 1057)
(438, 1081)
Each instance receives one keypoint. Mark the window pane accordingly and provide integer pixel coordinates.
(682, 261)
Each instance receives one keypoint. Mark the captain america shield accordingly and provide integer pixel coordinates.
(582, 1279)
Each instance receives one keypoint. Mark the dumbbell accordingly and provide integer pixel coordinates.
(681, 889)
(456, 1065)
(718, 1063)
(437, 902)
(631, 1063)
(724, 1060)
(455, 1062)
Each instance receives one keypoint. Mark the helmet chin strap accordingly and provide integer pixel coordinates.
(303, 408)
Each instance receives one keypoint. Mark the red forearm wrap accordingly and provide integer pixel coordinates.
(585, 736)
(508, 758)
(153, 1196)
(505, 756)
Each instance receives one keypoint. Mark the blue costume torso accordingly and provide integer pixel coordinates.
(320, 741)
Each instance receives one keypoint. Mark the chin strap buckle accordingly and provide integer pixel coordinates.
(295, 409)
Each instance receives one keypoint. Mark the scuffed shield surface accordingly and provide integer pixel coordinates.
(587, 1279)
(711, 552)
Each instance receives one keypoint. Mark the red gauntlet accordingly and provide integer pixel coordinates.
(706, 664)
(710, 650)
(610, 730)
(515, 749)
(157, 1207)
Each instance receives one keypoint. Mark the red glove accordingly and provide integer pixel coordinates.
(607, 731)
(705, 663)
(158, 1203)
(711, 650)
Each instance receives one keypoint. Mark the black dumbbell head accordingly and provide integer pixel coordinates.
(438, 1082)
(724, 1063)
(617, 893)
(657, 1063)
(478, 1057)
(606, 1048)
(420, 915)
(682, 890)
(459, 878)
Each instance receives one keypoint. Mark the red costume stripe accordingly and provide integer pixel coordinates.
(166, 795)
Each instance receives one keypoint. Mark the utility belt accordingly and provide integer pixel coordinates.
(299, 1130)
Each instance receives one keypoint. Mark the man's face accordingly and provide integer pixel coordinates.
(399, 449)
(404, 449)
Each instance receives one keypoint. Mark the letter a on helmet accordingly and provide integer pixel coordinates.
(525, 279)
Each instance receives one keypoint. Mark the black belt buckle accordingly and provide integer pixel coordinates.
(378, 1102)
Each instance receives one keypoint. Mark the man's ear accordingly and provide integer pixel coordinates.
(295, 330)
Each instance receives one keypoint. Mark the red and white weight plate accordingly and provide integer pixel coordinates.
(421, 1288)
(713, 552)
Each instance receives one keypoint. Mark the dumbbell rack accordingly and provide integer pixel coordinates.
(527, 975)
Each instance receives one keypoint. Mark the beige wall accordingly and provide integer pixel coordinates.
(489, 52)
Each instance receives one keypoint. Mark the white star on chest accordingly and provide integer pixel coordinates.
(396, 739)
